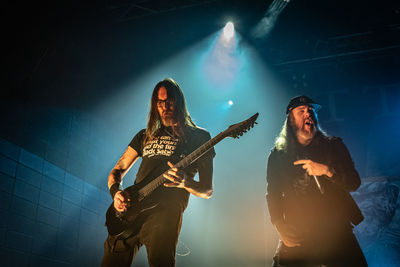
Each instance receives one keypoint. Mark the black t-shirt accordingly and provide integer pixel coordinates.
(165, 147)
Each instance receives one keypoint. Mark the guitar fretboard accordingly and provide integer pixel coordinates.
(192, 157)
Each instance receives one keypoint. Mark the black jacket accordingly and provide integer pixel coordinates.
(294, 198)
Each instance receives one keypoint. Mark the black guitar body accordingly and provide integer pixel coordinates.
(124, 224)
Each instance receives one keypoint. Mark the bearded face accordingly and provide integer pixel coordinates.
(303, 121)
(165, 107)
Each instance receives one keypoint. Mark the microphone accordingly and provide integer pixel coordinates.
(318, 184)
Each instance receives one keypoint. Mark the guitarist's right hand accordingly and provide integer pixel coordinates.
(121, 201)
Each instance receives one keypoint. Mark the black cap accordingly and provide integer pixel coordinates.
(301, 101)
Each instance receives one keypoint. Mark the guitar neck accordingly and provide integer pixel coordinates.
(192, 157)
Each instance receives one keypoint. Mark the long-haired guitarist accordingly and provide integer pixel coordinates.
(169, 136)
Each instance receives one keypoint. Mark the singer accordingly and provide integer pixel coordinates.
(309, 177)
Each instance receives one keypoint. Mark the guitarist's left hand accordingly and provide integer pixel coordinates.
(176, 176)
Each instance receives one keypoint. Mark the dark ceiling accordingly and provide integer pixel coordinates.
(74, 46)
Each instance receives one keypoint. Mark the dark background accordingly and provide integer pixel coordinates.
(64, 59)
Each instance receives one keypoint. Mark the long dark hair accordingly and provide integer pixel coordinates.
(287, 139)
(181, 114)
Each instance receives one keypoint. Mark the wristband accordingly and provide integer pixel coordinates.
(114, 189)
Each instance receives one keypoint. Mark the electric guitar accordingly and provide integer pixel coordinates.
(122, 224)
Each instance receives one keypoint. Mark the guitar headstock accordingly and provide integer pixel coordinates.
(238, 129)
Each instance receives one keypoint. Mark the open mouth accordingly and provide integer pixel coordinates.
(309, 123)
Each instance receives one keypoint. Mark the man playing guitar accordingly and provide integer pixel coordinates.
(169, 136)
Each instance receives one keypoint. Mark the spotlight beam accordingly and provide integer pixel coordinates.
(264, 27)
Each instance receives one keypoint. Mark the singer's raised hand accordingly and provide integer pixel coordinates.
(315, 168)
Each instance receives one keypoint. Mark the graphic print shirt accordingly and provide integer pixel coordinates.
(163, 148)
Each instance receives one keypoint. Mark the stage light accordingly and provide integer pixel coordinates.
(270, 18)
(229, 30)
(223, 60)
(230, 102)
